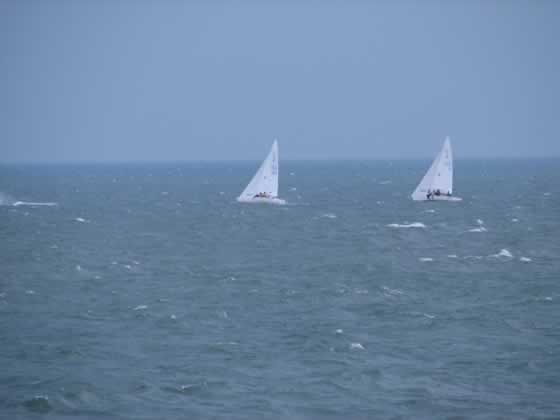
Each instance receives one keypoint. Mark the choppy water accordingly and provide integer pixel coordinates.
(148, 292)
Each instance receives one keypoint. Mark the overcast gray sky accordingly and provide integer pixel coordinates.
(177, 80)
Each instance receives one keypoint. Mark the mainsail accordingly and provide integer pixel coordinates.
(439, 176)
(265, 180)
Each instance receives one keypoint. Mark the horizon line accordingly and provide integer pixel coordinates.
(334, 159)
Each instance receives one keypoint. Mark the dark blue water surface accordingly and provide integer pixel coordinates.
(149, 293)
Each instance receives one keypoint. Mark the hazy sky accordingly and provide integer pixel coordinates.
(157, 80)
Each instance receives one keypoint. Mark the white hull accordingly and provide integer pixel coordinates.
(440, 198)
(262, 200)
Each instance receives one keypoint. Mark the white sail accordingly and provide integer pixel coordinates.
(439, 176)
(264, 185)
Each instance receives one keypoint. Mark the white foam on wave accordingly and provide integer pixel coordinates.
(452, 256)
(525, 259)
(328, 216)
(425, 259)
(407, 225)
(33, 204)
(173, 316)
(515, 220)
(81, 220)
(480, 221)
(356, 346)
(141, 307)
(478, 229)
(429, 211)
(30, 292)
(339, 331)
(546, 194)
(504, 253)
(393, 291)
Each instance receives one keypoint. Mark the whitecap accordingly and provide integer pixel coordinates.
(504, 253)
(78, 268)
(81, 220)
(30, 292)
(515, 220)
(429, 211)
(141, 307)
(409, 225)
(164, 193)
(293, 189)
(339, 331)
(478, 229)
(356, 346)
(33, 204)
(480, 221)
(328, 215)
(452, 256)
(425, 259)
(546, 194)
(384, 182)
(393, 291)
(128, 266)
(135, 262)
(525, 259)
(173, 316)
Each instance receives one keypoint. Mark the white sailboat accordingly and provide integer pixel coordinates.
(263, 188)
(437, 184)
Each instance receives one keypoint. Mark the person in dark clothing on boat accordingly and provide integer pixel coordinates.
(429, 195)
(438, 193)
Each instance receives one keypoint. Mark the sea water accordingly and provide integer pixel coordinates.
(146, 291)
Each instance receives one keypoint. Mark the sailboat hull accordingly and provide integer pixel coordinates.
(262, 200)
(440, 198)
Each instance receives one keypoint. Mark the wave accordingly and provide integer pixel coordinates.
(504, 253)
(33, 203)
(478, 229)
(409, 225)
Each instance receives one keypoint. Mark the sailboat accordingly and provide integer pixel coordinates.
(437, 184)
(263, 188)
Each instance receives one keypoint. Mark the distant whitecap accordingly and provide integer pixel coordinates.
(478, 229)
(409, 225)
(525, 259)
(81, 220)
(356, 346)
(452, 256)
(339, 331)
(425, 259)
(504, 253)
(141, 307)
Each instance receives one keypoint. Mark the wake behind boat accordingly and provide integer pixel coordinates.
(263, 188)
(437, 184)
